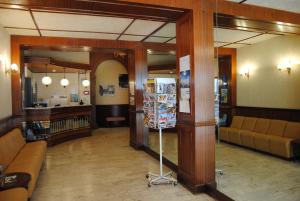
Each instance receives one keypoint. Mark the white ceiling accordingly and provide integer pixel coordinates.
(20, 22)
(287, 5)
(236, 38)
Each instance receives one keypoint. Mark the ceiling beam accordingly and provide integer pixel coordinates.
(156, 30)
(170, 39)
(242, 1)
(126, 29)
(239, 41)
(34, 21)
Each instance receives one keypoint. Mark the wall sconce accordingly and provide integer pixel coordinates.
(245, 72)
(13, 69)
(286, 66)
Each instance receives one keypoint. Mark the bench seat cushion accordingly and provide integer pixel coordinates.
(247, 138)
(281, 146)
(223, 133)
(10, 145)
(234, 135)
(29, 160)
(262, 142)
(14, 194)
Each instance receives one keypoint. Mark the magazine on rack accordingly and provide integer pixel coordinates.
(160, 103)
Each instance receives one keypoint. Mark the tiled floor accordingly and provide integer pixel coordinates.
(248, 175)
(103, 168)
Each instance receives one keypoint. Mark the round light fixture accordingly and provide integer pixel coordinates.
(46, 80)
(64, 82)
(14, 67)
(85, 83)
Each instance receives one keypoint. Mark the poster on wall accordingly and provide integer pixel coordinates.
(106, 90)
(185, 77)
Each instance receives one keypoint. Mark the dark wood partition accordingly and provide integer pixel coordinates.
(104, 112)
(268, 113)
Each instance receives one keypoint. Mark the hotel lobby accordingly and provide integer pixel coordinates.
(150, 100)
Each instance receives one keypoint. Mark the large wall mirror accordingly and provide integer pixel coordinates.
(55, 78)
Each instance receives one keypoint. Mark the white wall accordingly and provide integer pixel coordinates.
(5, 79)
(267, 86)
(107, 73)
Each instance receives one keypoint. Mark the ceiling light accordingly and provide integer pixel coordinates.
(64, 82)
(85, 82)
(46, 80)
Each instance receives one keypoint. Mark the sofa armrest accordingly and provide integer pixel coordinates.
(14, 180)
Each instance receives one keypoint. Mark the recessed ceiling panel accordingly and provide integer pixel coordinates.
(23, 32)
(260, 38)
(173, 41)
(228, 35)
(287, 5)
(156, 39)
(80, 35)
(131, 38)
(16, 18)
(235, 45)
(143, 27)
(59, 21)
(219, 44)
(169, 30)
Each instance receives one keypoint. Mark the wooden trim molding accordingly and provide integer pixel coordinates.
(9, 123)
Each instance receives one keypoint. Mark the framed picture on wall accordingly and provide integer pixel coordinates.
(123, 80)
(107, 90)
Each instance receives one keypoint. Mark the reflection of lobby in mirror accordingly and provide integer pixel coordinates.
(162, 64)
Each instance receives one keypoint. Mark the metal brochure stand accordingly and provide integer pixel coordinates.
(160, 113)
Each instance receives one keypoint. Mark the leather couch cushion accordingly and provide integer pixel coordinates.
(248, 123)
(261, 125)
(276, 127)
(234, 135)
(10, 145)
(262, 142)
(292, 130)
(29, 160)
(247, 138)
(14, 194)
(223, 133)
(281, 146)
(237, 122)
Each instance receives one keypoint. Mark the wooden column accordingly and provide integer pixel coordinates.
(138, 74)
(196, 133)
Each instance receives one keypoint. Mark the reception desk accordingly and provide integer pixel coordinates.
(60, 124)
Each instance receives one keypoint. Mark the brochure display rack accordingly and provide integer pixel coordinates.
(160, 113)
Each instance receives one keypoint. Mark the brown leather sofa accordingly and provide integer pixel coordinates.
(18, 156)
(267, 135)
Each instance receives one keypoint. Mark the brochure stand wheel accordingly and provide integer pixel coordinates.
(155, 179)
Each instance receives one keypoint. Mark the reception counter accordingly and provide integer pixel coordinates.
(61, 123)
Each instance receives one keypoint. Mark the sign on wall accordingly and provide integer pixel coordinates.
(185, 77)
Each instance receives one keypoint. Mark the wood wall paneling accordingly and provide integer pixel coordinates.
(9, 123)
(196, 141)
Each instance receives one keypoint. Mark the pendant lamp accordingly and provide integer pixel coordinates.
(85, 82)
(46, 80)
(64, 82)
